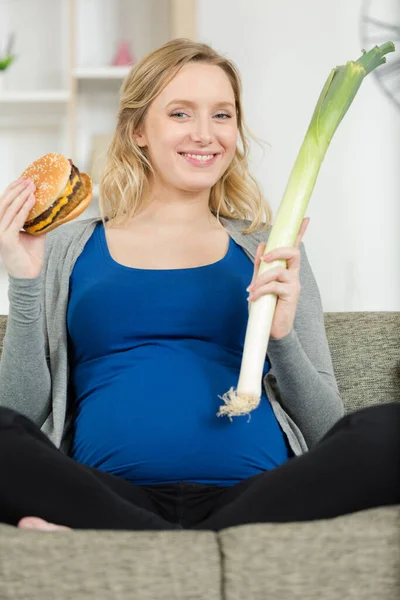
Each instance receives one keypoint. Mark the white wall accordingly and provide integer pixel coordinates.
(285, 50)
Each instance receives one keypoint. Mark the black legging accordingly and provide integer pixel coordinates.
(355, 466)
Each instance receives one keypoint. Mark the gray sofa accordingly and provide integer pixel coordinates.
(354, 556)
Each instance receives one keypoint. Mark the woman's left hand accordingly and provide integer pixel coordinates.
(285, 283)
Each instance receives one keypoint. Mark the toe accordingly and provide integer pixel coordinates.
(40, 524)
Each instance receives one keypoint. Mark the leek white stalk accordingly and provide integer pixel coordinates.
(336, 96)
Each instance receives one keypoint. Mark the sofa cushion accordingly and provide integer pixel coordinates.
(365, 349)
(84, 564)
(353, 556)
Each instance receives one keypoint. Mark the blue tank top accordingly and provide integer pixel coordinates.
(150, 351)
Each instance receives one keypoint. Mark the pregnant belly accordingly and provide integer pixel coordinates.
(164, 428)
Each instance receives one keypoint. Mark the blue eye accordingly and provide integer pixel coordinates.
(219, 114)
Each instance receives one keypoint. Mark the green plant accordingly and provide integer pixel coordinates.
(9, 57)
(6, 62)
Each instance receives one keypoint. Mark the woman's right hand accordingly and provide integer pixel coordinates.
(22, 254)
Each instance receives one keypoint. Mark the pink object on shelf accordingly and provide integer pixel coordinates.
(123, 56)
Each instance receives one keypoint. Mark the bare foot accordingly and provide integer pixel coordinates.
(40, 524)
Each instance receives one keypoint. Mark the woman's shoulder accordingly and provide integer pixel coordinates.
(73, 230)
(238, 226)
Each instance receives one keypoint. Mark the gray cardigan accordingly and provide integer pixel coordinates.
(34, 369)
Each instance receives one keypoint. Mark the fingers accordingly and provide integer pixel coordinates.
(276, 274)
(260, 251)
(17, 184)
(285, 252)
(302, 230)
(281, 283)
(15, 204)
(274, 287)
(291, 255)
(257, 260)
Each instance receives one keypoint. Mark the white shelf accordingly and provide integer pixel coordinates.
(54, 96)
(101, 72)
(63, 94)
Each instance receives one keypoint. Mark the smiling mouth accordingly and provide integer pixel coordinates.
(199, 159)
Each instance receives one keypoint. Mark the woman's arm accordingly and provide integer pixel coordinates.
(25, 382)
(302, 364)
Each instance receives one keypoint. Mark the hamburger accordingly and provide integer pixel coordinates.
(62, 193)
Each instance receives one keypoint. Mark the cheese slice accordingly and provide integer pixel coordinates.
(49, 219)
(67, 191)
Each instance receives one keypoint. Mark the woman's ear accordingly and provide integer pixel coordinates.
(140, 138)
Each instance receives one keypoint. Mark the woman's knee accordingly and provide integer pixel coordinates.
(12, 419)
(8, 416)
(377, 431)
(383, 418)
(13, 422)
(373, 429)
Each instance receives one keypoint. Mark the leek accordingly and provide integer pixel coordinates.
(336, 96)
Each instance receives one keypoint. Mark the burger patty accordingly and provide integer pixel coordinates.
(42, 217)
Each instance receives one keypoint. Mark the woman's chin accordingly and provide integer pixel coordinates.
(196, 185)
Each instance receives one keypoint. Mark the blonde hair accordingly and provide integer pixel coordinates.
(125, 180)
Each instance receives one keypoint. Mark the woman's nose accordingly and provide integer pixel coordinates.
(206, 139)
(203, 133)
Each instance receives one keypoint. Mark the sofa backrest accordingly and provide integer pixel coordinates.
(365, 349)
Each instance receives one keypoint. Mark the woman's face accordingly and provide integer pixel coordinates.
(193, 115)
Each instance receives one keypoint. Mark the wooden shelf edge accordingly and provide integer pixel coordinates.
(101, 72)
(56, 96)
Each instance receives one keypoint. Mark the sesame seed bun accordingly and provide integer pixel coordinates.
(79, 203)
(53, 175)
(50, 174)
